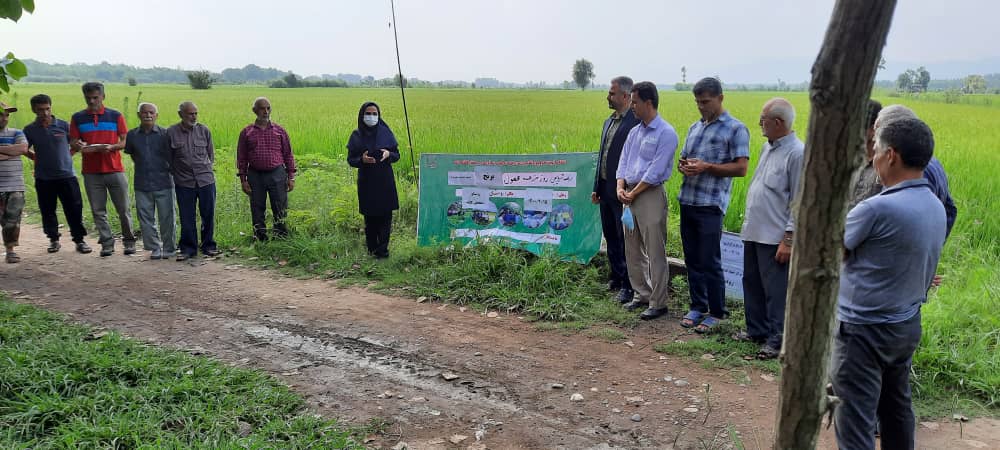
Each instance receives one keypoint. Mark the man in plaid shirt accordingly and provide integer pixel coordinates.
(716, 148)
(266, 167)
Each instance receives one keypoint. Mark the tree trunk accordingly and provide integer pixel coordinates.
(842, 80)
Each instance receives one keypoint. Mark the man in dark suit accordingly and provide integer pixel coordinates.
(613, 135)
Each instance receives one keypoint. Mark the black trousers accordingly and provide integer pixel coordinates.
(611, 223)
(67, 192)
(377, 229)
(765, 284)
(870, 369)
(263, 184)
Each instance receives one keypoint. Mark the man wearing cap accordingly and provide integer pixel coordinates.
(13, 144)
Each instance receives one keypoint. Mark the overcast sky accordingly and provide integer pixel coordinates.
(740, 41)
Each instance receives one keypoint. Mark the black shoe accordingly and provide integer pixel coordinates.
(635, 304)
(625, 296)
(82, 247)
(652, 313)
(54, 246)
(130, 249)
(183, 256)
(211, 252)
(768, 352)
(107, 251)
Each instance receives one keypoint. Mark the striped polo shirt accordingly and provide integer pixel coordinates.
(102, 127)
(11, 170)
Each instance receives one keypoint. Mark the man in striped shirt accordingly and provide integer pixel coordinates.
(266, 168)
(99, 133)
(13, 144)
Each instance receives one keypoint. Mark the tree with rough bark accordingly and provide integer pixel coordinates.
(841, 85)
(583, 73)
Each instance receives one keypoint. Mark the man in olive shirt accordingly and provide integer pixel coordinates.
(154, 189)
(192, 156)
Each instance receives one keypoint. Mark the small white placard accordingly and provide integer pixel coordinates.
(475, 199)
(538, 200)
(488, 176)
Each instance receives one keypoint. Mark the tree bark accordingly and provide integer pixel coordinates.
(842, 80)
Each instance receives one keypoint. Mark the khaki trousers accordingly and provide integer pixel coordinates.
(645, 248)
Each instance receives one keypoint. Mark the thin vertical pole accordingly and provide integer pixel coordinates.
(402, 91)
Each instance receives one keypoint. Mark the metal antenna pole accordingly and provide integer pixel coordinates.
(402, 91)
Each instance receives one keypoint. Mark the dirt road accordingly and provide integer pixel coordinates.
(433, 370)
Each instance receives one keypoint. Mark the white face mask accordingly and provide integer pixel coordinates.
(371, 120)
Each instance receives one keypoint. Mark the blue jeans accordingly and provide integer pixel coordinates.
(202, 198)
(151, 206)
(871, 375)
(701, 233)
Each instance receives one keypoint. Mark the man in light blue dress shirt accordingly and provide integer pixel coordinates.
(644, 167)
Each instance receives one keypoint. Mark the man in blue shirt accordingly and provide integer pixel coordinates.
(644, 167)
(892, 243)
(55, 178)
(154, 188)
(716, 148)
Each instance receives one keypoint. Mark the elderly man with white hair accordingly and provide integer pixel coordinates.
(768, 226)
(149, 148)
(934, 172)
(266, 167)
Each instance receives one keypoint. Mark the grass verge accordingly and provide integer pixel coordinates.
(64, 386)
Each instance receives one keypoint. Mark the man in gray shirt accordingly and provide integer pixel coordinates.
(892, 243)
(192, 157)
(149, 148)
(13, 144)
(768, 226)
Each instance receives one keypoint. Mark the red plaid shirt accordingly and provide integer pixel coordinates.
(264, 149)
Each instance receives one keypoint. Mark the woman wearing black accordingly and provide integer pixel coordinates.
(372, 149)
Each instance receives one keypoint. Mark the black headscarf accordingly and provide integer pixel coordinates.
(371, 138)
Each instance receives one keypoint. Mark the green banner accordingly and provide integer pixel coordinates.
(539, 203)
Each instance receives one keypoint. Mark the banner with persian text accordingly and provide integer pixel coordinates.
(539, 203)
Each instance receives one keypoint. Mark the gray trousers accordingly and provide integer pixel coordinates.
(151, 206)
(871, 375)
(99, 186)
(645, 248)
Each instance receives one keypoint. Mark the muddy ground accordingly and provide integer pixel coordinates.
(434, 371)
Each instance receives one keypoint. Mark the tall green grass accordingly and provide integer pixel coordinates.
(958, 355)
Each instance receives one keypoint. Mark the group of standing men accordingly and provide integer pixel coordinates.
(636, 159)
(170, 163)
(901, 212)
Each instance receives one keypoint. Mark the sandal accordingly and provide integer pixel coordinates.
(692, 319)
(707, 325)
(12, 258)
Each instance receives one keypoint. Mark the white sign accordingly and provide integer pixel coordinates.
(540, 179)
(488, 176)
(538, 200)
(477, 199)
(517, 193)
(732, 263)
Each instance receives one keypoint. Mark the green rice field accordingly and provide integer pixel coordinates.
(958, 359)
